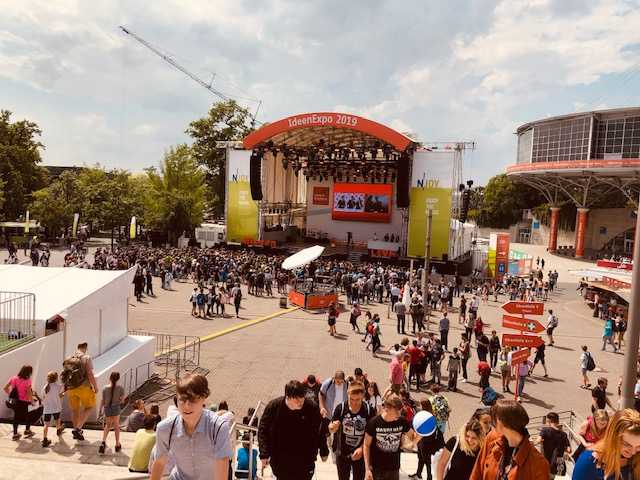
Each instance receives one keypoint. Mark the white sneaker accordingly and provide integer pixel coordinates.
(520, 399)
(464, 380)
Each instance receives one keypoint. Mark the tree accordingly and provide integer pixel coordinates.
(504, 201)
(227, 121)
(20, 174)
(55, 205)
(175, 195)
(108, 199)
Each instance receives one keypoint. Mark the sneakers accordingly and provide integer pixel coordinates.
(102, 448)
(60, 430)
(46, 442)
(546, 376)
(16, 436)
(464, 380)
(77, 434)
(520, 399)
(118, 448)
(415, 475)
(29, 433)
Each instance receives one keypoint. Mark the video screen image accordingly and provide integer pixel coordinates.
(361, 202)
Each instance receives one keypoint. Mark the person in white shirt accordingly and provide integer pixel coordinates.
(52, 392)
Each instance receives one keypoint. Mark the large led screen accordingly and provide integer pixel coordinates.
(361, 202)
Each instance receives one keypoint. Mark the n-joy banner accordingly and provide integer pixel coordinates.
(431, 181)
(242, 210)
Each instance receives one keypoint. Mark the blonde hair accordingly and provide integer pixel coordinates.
(610, 446)
(471, 426)
(599, 414)
(52, 377)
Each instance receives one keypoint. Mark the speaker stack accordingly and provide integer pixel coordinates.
(255, 176)
(402, 184)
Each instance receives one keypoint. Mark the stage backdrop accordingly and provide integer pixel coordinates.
(431, 189)
(242, 210)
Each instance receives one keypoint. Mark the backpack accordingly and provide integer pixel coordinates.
(489, 396)
(591, 364)
(200, 299)
(370, 329)
(408, 411)
(358, 312)
(554, 321)
(441, 408)
(72, 375)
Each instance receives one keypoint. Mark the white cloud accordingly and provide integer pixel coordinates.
(448, 71)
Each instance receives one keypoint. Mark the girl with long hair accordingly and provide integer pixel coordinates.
(373, 397)
(22, 384)
(332, 318)
(616, 455)
(460, 452)
(112, 399)
(591, 431)
(52, 392)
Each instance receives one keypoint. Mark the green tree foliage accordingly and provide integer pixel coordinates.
(55, 205)
(175, 195)
(503, 201)
(226, 121)
(20, 174)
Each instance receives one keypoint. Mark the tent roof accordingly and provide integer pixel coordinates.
(55, 289)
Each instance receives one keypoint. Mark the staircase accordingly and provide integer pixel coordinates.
(355, 257)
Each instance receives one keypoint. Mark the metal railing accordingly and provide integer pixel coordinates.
(17, 318)
(239, 428)
(168, 344)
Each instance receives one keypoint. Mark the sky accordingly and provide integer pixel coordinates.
(445, 71)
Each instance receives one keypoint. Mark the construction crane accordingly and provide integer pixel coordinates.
(193, 76)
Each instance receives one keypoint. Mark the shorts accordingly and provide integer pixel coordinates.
(201, 307)
(584, 370)
(82, 395)
(112, 411)
(331, 321)
(47, 416)
(550, 330)
(538, 359)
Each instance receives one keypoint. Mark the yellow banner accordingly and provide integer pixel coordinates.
(76, 218)
(439, 201)
(132, 228)
(242, 210)
(26, 223)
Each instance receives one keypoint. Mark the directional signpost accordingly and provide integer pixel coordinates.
(526, 326)
(511, 340)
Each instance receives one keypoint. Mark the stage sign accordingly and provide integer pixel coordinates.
(521, 323)
(518, 356)
(321, 195)
(432, 176)
(242, 210)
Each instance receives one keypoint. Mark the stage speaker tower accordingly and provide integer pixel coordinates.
(402, 184)
(255, 176)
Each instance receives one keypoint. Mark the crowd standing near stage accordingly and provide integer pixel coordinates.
(367, 422)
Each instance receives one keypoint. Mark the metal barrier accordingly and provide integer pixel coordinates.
(239, 428)
(17, 318)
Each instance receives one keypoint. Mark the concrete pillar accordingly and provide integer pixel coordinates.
(553, 230)
(581, 227)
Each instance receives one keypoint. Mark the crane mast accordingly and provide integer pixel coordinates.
(187, 72)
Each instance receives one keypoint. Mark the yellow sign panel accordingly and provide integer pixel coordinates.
(438, 200)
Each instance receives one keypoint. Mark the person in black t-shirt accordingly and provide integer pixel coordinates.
(348, 423)
(311, 388)
(383, 440)
(599, 398)
(462, 450)
(553, 440)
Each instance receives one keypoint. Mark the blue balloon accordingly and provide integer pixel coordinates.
(424, 423)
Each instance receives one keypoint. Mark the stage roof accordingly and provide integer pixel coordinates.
(56, 289)
(328, 129)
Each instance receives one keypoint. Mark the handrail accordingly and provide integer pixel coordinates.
(252, 433)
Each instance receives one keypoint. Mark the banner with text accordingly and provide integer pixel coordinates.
(431, 181)
(242, 210)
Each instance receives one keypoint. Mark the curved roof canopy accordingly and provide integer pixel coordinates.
(327, 128)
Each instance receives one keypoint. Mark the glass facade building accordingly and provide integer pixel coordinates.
(603, 135)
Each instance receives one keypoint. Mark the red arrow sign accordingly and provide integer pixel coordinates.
(519, 356)
(518, 323)
(524, 308)
(508, 339)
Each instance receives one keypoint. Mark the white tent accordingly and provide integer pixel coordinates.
(94, 306)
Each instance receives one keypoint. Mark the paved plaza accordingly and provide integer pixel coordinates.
(252, 357)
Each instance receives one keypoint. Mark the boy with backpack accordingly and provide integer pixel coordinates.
(441, 408)
(77, 375)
